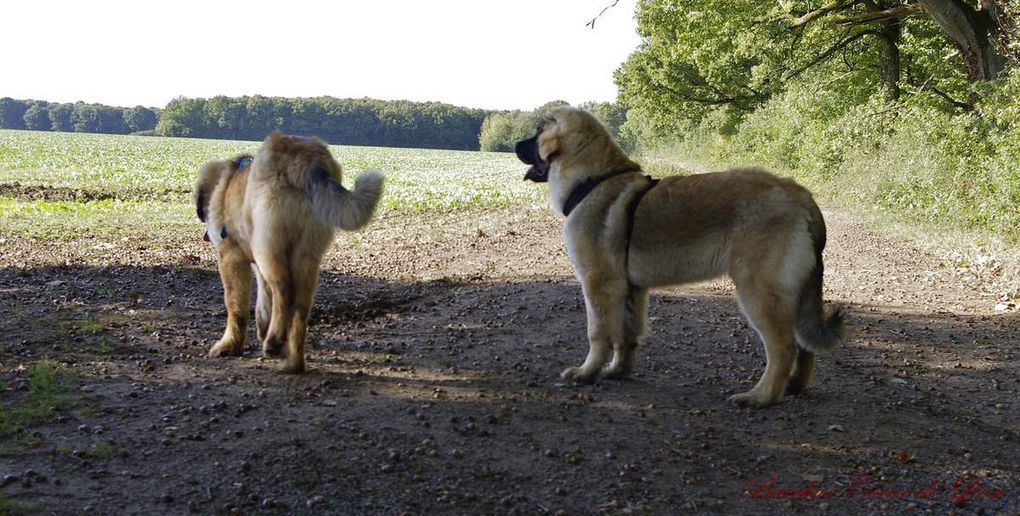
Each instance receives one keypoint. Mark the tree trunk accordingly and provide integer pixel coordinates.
(889, 41)
(972, 32)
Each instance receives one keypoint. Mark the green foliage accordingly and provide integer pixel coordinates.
(341, 121)
(46, 395)
(37, 117)
(911, 160)
(872, 111)
(140, 118)
(12, 113)
(60, 117)
(502, 129)
(12, 506)
(613, 115)
(700, 57)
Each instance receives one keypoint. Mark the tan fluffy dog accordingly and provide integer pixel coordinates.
(625, 233)
(276, 218)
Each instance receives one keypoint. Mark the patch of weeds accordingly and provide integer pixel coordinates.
(92, 326)
(62, 448)
(47, 394)
(101, 451)
(12, 506)
(104, 347)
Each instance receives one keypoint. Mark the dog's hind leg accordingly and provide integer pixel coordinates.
(803, 372)
(635, 323)
(305, 277)
(263, 306)
(235, 272)
(773, 317)
(605, 303)
(276, 276)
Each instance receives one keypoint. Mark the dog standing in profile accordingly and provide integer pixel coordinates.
(274, 215)
(626, 233)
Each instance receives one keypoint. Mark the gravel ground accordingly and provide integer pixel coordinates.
(435, 348)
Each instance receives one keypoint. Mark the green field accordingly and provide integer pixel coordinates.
(83, 184)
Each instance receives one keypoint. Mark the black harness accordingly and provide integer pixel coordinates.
(582, 190)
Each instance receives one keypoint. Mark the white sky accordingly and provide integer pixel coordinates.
(476, 53)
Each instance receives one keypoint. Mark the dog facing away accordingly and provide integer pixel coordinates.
(274, 216)
(626, 233)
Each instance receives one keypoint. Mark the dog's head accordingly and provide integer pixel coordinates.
(569, 135)
(530, 152)
(209, 176)
(300, 158)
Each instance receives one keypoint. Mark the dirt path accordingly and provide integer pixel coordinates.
(433, 386)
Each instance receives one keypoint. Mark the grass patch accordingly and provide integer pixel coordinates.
(12, 506)
(47, 394)
(92, 326)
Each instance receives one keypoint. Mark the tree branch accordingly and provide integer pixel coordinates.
(834, 5)
(606, 8)
(828, 53)
(955, 103)
(894, 13)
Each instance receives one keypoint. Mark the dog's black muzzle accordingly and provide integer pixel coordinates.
(527, 151)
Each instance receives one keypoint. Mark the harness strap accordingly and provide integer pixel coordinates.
(582, 190)
(633, 206)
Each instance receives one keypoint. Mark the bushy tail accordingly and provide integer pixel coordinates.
(339, 207)
(817, 331)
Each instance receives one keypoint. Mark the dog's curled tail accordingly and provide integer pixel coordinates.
(339, 207)
(817, 331)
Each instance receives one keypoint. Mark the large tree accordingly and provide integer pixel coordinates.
(140, 118)
(60, 117)
(37, 117)
(12, 113)
(699, 55)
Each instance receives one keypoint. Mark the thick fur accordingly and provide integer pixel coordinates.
(275, 221)
(764, 231)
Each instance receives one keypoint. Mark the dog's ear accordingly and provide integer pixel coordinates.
(549, 139)
(208, 176)
(200, 204)
(275, 139)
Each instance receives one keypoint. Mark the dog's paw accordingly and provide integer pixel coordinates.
(751, 399)
(272, 348)
(294, 367)
(794, 388)
(616, 373)
(225, 349)
(576, 374)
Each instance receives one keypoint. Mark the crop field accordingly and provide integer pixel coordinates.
(86, 184)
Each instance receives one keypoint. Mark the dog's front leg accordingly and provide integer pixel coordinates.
(604, 302)
(236, 275)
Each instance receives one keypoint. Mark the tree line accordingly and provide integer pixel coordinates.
(339, 121)
(79, 117)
